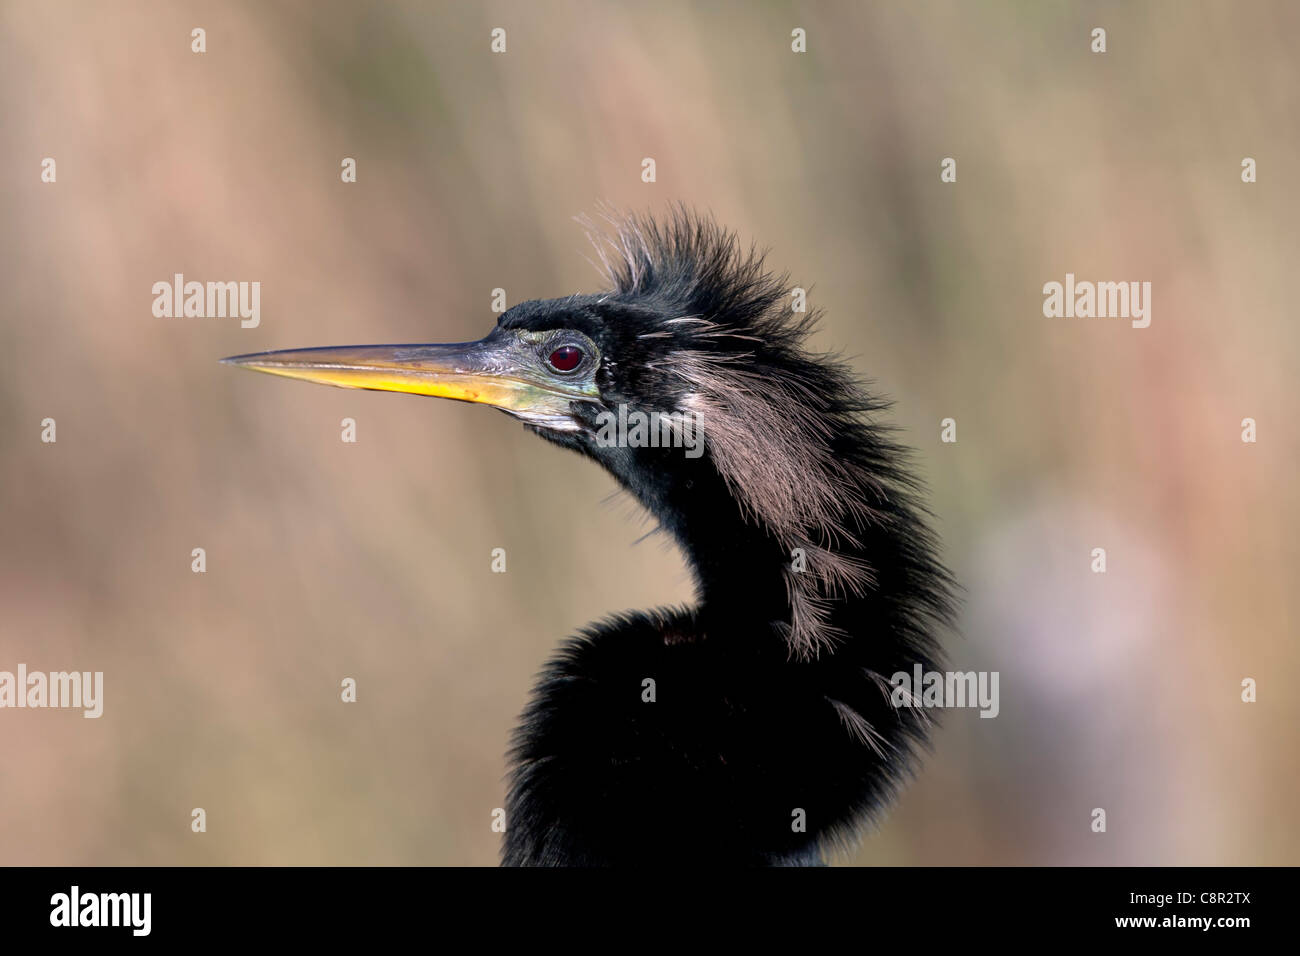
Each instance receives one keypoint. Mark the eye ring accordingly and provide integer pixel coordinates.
(566, 358)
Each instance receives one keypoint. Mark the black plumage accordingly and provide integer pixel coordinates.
(815, 571)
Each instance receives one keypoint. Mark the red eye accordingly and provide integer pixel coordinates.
(566, 358)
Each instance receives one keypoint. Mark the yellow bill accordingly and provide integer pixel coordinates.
(500, 371)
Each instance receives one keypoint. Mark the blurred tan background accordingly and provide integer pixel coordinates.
(328, 560)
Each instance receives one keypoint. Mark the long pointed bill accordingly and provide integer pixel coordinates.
(492, 371)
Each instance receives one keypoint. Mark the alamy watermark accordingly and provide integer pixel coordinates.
(213, 300)
(130, 910)
(637, 429)
(1100, 300)
(923, 688)
(57, 689)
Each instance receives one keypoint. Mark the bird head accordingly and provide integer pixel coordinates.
(691, 330)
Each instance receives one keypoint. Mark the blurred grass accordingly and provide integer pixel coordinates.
(329, 560)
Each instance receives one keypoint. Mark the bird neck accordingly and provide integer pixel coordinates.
(740, 567)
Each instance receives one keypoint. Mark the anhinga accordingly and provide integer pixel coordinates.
(770, 732)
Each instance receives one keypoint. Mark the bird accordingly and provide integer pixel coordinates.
(761, 724)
